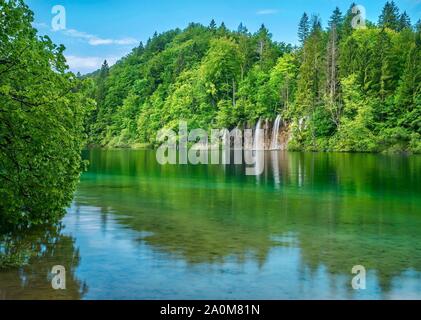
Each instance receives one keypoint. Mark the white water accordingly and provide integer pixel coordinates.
(275, 133)
(301, 123)
(226, 142)
(258, 137)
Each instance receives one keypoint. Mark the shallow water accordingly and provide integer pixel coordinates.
(138, 230)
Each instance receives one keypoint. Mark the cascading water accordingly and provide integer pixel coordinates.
(301, 123)
(275, 133)
(258, 137)
(226, 142)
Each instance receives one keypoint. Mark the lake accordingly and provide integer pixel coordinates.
(139, 230)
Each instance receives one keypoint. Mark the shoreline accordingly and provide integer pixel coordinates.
(151, 148)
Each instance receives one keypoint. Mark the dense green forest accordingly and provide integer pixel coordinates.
(341, 89)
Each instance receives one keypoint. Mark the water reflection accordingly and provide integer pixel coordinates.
(208, 231)
(344, 210)
(274, 156)
(43, 248)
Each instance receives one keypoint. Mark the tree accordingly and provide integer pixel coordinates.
(246, 47)
(262, 37)
(103, 74)
(389, 17)
(418, 26)
(97, 116)
(212, 25)
(311, 74)
(304, 28)
(336, 19)
(222, 30)
(408, 97)
(221, 69)
(283, 81)
(316, 24)
(388, 75)
(404, 21)
(347, 27)
(332, 70)
(354, 133)
(42, 109)
(140, 48)
(242, 29)
(267, 52)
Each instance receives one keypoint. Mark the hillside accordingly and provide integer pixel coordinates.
(349, 89)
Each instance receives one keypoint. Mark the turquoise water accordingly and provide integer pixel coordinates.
(139, 230)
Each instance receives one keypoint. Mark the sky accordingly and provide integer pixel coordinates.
(96, 30)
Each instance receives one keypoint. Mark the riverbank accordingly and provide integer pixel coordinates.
(412, 148)
(294, 135)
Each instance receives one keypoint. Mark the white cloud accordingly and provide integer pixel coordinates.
(91, 39)
(267, 11)
(87, 64)
(97, 41)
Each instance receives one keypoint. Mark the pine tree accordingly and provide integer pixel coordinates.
(381, 79)
(347, 28)
(332, 85)
(242, 29)
(316, 24)
(336, 19)
(140, 49)
(304, 28)
(222, 31)
(410, 85)
(404, 21)
(212, 25)
(104, 70)
(101, 91)
(418, 26)
(311, 73)
(310, 84)
(263, 38)
(390, 16)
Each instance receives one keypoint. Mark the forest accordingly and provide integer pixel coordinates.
(343, 89)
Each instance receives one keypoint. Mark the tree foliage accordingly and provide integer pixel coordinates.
(41, 122)
(213, 77)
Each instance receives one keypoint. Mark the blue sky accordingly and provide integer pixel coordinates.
(109, 29)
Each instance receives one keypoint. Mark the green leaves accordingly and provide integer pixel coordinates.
(215, 77)
(42, 110)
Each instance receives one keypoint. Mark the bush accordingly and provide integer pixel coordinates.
(42, 109)
(415, 143)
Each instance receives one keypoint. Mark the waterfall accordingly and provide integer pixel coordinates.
(301, 124)
(275, 133)
(258, 141)
(226, 141)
